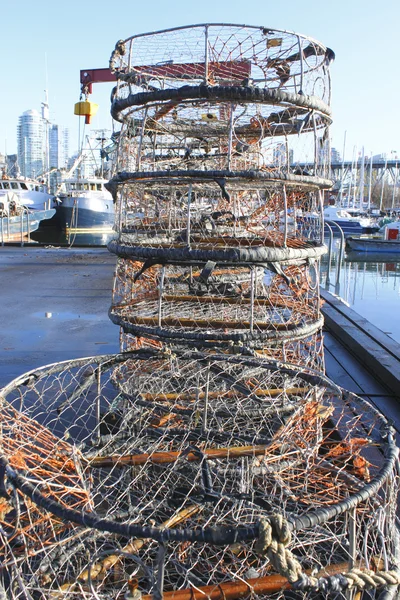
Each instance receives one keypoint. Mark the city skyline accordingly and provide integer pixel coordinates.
(41, 145)
(362, 34)
(36, 155)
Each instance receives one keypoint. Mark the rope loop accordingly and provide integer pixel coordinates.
(274, 537)
(280, 528)
(274, 530)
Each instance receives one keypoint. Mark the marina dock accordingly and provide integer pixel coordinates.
(361, 358)
(55, 304)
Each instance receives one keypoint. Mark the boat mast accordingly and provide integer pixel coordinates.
(394, 186)
(102, 139)
(370, 184)
(45, 117)
(362, 174)
(354, 173)
(342, 178)
(383, 183)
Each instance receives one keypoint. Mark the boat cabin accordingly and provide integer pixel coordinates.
(92, 187)
(14, 185)
(82, 186)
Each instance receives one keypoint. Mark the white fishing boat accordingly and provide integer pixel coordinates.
(349, 224)
(83, 203)
(17, 221)
(32, 194)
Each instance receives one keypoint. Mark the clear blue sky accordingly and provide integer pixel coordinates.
(79, 34)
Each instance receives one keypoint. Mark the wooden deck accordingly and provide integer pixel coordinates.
(361, 358)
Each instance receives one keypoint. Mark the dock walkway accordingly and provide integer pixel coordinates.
(361, 358)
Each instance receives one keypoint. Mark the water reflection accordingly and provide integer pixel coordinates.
(369, 283)
(55, 237)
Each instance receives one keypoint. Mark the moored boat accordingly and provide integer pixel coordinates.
(32, 194)
(389, 244)
(16, 221)
(350, 225)
(373, 245)
(85, 204)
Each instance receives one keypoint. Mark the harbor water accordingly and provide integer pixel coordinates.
(54, 236)
(368, 283)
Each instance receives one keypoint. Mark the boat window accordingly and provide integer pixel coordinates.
(92, 187)
(1, 186)
(23, 186)
(37, 188)
(6, 185)
(98, 185)
(86, 186)
(79, 186)
(14, 185)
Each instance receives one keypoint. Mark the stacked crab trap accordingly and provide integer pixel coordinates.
(211, 458)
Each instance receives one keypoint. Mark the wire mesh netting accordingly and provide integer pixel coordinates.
(222, 95)
(171, 210)
(227, 53)
(206, 184)
(205, 138)
(250, 308)
(121, 468)
(212, 457)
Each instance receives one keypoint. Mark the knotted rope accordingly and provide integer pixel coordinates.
(273, 541)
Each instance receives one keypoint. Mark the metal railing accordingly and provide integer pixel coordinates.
(329, 224)
(6, 236)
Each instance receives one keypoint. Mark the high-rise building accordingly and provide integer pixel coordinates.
(58, 146)
(279, 155)
(54, 146)
(335, 156)
(31, 144)
(65, 146)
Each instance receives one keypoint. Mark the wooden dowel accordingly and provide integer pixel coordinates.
(233, 590)
(191, 397)
(204, 323)
(219, 300)
(279, 302)
(160, 458)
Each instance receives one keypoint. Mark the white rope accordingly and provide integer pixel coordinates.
(273, 541)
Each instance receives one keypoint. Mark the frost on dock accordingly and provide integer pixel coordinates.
(211, 457)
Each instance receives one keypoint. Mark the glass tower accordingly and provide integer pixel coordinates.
(58, 146)
(31, 144)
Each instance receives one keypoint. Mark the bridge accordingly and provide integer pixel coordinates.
(377, 183)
